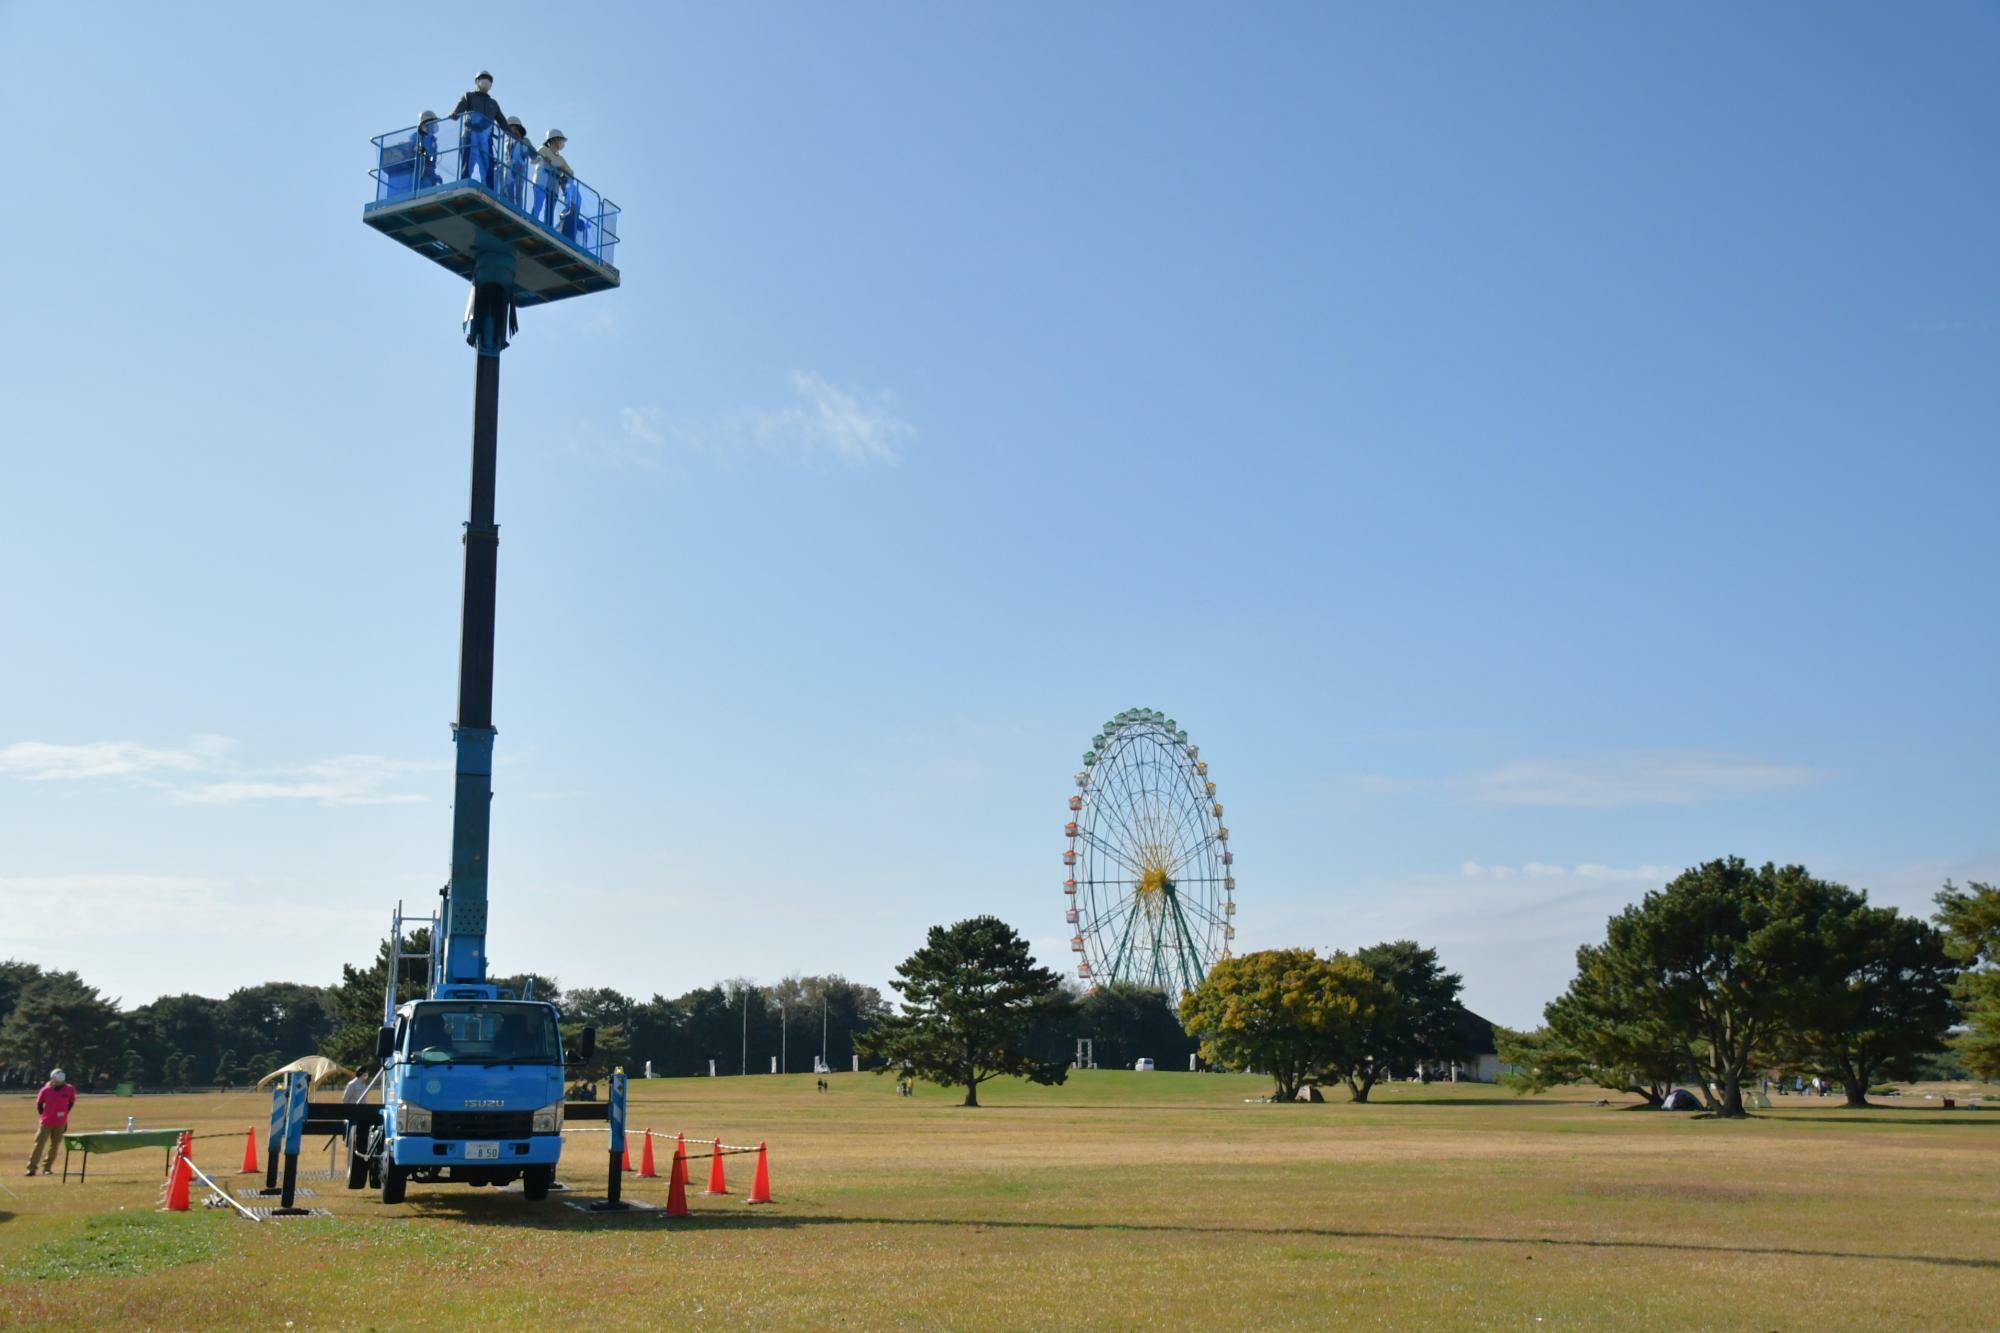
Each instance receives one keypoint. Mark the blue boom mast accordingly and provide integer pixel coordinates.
(473, 1076)
(472, 734)
(471, 214)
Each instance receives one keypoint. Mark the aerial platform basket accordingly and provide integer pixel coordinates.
(563, 235)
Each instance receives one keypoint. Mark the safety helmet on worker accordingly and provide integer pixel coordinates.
(428, 118)
(57, 1076)
(555, 136)
(483, 74)
(514, 123)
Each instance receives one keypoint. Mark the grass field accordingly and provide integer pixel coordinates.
(1119, 1199)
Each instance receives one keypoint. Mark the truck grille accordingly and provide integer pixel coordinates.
(482, 1124)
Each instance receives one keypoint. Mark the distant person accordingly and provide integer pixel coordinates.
(424, 142)
(478, 116)
(551, 176)
(53, 1104)
(430, 1034)
(520, 163)
(570, 222)
(353, 1094)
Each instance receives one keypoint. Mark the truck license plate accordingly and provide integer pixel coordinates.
(482, 1151)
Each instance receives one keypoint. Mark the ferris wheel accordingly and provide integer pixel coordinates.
(1151, 889)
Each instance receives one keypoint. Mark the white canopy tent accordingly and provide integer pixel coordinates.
(322, 1070)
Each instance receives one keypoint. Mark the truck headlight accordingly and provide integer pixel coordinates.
(412, 1119)
(548, 1120)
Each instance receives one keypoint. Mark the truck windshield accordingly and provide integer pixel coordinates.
(489, 1034)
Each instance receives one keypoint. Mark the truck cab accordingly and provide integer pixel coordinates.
(472, 1093)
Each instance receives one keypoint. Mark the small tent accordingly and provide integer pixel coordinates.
(322, 1071)
(1308, 1092)
(1680, 1099)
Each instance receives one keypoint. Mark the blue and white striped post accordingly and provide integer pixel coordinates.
(616, 1116)
(297, 1087)
(279, 1101)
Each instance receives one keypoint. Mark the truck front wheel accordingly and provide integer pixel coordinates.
(535, 1183)
(393, 1179)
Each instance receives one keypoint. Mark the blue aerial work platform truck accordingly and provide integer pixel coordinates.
(473, 1075)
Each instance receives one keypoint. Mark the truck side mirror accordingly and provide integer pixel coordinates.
(385, 1042)
(589, 1042)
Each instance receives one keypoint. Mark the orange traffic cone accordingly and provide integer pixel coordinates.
(177, 1184)
(677, 1184)
(625, 1156)
(250, 1153)
(760, 1183)
(715, 1181)
(646, 1171)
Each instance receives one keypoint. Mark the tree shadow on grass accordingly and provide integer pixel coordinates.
(1355, 1233)
(1121, 1107)
(1875, 1116)
(488, 1209)
(1464, 1101)
(1219, 1108)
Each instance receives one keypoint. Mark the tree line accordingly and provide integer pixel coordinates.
(1353, 1019)
(1733, 973)
(1727, 974)
(976, 1006)
(55, 1019)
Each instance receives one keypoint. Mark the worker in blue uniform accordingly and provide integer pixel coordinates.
(424, 140)
(568, 221)
(552, 176)
(520, 163)
(478, 116)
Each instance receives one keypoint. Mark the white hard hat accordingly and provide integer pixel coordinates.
(57, 1076)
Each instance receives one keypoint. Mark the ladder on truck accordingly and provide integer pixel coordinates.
(399, 950)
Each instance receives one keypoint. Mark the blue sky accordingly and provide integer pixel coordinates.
(1532, 449)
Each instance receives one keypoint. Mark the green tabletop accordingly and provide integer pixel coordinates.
(117, 1140)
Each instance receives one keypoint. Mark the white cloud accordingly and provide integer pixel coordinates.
(165, 909)
(1511, 930)
(1624, 778)
(40, 761)
(201, 772)
(1588, 872)
(823, 421)
(349, 779)
(833, 422)
(641, 426)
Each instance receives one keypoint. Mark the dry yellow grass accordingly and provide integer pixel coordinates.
(1120, 1199)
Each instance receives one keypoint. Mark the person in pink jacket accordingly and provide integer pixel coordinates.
(53, 1102)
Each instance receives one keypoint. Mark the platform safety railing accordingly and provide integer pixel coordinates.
(451, 153)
